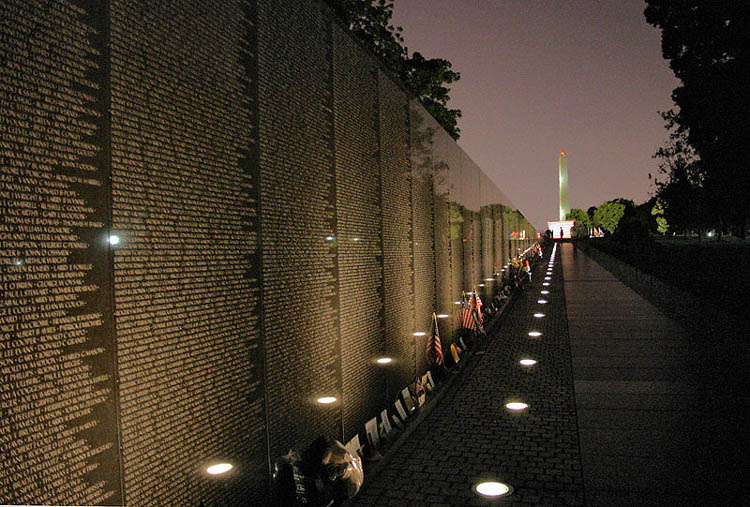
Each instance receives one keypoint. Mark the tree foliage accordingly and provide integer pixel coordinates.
(679, 187)
(583, 222)
(662, 226)
(425, 78)
(708, 48)
(608, 215)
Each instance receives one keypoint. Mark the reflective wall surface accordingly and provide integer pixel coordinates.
(213, 216)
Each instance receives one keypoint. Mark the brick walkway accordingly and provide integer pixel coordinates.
(471, 436)
(626, 403)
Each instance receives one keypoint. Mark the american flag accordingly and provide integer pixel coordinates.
(466, 314)
(478, 306)
(476, 311)
(434, 347)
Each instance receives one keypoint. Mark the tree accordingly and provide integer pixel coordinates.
(682, 193)
(426, 78)
(590, 212)
(708, 48)
(608, 215)
(662, 226)
(583, 222)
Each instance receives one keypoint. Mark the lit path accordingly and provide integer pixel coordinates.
(470, 435)
(660, 421)
(626, 408)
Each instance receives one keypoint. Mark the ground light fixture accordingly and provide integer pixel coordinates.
(527, 362)
(219, 468)
(489, 279)
(384, 360)
(481, 285)
(546, 284)
(538, 315)
(492, 489)
(516, 406)
(419, 333)
(548, 278)
(542, 301)
(327, 400)
(443, 316)
(535, 334)
(545, 292)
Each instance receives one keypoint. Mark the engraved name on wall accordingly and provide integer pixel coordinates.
(58, 437)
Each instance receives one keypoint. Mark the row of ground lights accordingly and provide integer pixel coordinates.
(329, 400)
(494, 489)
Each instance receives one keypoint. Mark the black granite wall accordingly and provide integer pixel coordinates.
(284, 213)
(58, 384)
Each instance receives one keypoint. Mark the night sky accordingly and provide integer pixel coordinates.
(540, 76)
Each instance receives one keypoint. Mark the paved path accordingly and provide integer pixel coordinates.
(625, 405)
(471, 436)
(660, 422)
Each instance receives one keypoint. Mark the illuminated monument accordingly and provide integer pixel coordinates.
(561, 228)
(562, 165)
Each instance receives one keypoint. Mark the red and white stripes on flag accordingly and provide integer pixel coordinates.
(478, 306)
(466, 314)
(475, 303)
(434, 347)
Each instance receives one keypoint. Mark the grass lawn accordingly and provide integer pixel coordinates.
(718, 272)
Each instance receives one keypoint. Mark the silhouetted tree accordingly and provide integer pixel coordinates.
(426, 78)
(590, 213)
(682, 194)
(708, 48)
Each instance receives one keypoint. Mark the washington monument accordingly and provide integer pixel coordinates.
(563, 176)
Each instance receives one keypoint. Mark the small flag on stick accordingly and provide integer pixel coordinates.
(474, 304)
(434, 347)
(478, 306)
(466, 315)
